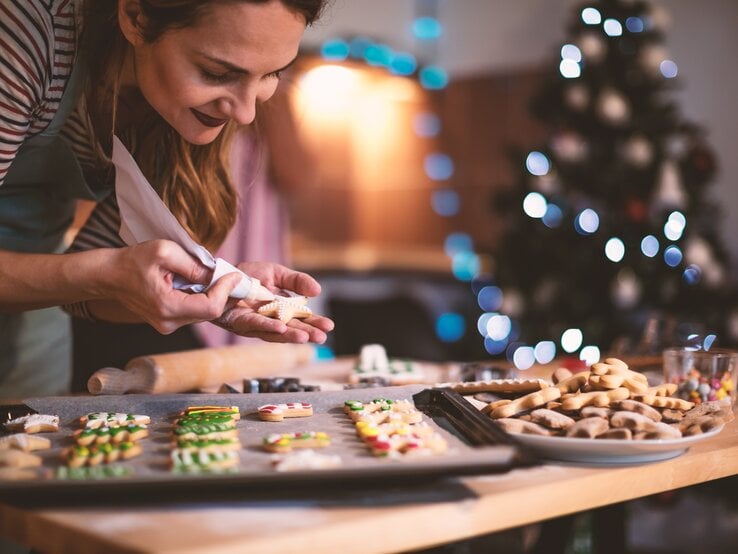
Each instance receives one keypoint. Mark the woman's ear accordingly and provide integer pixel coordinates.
(130, 18)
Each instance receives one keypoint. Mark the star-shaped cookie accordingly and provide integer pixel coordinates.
(285, 308)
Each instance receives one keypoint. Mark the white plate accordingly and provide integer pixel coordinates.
(610, 451)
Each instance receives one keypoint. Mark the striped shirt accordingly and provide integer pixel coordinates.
(38, 47)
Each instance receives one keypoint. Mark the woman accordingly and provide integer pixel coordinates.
(170, 78)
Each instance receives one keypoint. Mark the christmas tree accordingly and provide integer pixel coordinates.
(609, 226)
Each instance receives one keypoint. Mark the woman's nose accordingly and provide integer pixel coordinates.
(243, 108)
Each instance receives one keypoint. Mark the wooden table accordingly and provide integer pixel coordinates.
(377, 520)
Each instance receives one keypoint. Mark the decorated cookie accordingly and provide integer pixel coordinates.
(277, 412)
(18, 459)
(230, 411)
(286, 442)
(102, 435)
(286, 308)
(24, 442)
(305, 459)
(208, 445)
(112, 419)
(34, 423)
(185, 460)
(79, 455)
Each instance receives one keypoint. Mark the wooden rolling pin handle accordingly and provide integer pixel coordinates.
(111, 380)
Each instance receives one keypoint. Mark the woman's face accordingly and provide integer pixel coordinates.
(200, 77)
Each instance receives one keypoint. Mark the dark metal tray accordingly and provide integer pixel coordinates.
(477, 446)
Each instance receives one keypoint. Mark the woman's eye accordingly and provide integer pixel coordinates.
(216, 77)
(274, 75)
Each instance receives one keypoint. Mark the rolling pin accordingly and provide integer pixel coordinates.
(194, 369)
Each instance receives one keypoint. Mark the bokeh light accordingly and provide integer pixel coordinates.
(427, 28)
(378, 55)
(590, 355)
(614, 249)
(587, 222)
(537, 163)
(669, 69)
(674, 226)
(438, 167)
(545, 351)
(571, 52)
(490, 298)
(571, 340)
(433, 77)
(426, 124)
(499, 327)
(465, 265)
(335, 50)
(494, 347)
(673, 256)
(591, 16)
(612, 27)
(650, 246)
(403, 64)
(457, 242)
(692, 275)
(570, 69)
(450, 327)
(534, 205)
(445, 202)
(634, 24)
(709, 341)
(482, 323)
(553, 216)
(523, 357)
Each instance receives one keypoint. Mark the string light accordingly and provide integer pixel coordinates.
(612, 27)
(571, 340)
(650, 246)
(591, 16)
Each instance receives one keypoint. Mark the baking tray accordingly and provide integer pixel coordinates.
(471, 451)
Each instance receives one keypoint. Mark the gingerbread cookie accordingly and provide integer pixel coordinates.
(497, 386)
(621, 433)
(277, 412)
(513, 425)
(664, 402)
(34, 423)
(574, 383)
(560, 374)
(588, 428)
(614, 373)
(527, 402)
(601, 399)
(638, 407)
(551, 419)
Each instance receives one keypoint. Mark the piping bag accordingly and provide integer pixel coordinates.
(144, 216)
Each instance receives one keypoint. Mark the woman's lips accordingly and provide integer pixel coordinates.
(207, 120)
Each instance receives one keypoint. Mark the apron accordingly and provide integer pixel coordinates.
(37, 204)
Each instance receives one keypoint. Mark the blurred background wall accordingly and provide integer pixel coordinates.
(489, 38)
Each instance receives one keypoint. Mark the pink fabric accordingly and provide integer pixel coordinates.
(262, 224)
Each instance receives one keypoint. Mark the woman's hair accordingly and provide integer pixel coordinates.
(192, 180)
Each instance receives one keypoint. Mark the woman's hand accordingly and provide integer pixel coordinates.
(244, 320)
(141, 282)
